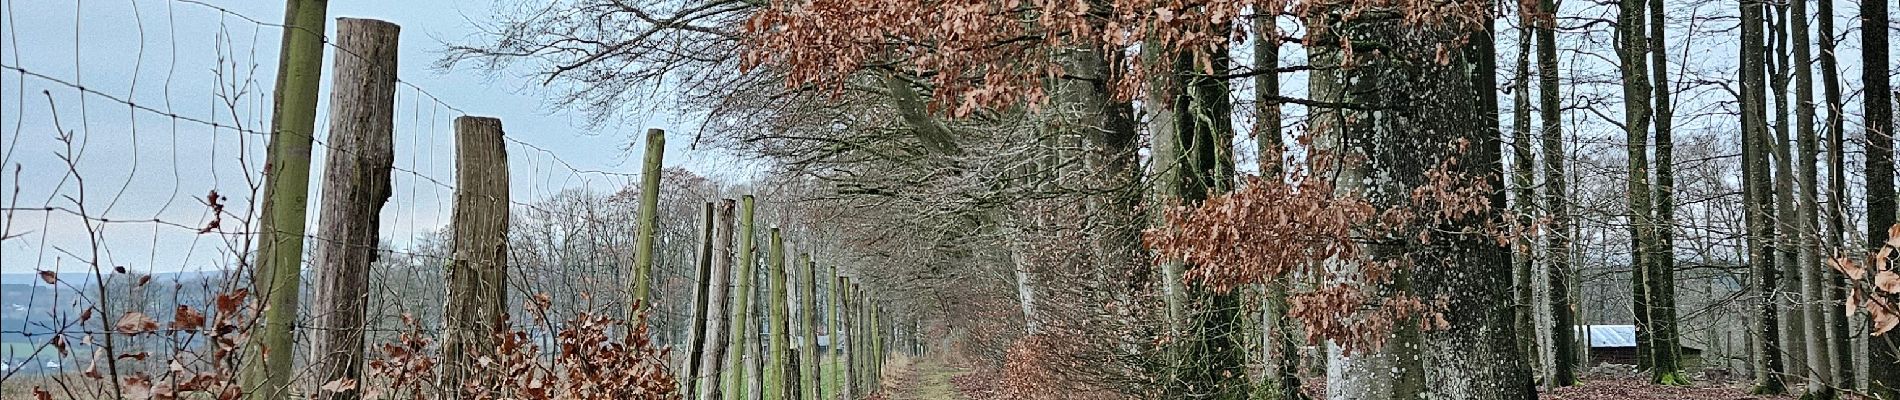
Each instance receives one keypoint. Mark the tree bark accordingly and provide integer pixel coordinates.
(1667, 337)
(1632, 50)
(1556, 201)
(478, 269)
(356, 184)
(1883, 352)
(1819, 374)
(1757, 200)
(1524, 197)
(1839, 345)
(1787, 247)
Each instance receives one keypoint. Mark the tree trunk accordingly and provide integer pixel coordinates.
(1632, 50)
(1883, 352)
(1523, 197)
(1556, 201)
(1756, 199)
(267, 366)
(1787, 248)
(742, 342)
(478, 269)
(1820, 374)
(1839, 346)
(642, 274)
(356, 184)
(718, 311)
(1667, 339)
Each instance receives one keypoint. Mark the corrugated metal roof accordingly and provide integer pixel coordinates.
(1609, 335)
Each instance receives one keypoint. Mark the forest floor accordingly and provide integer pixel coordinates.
(923, 378)
(1635, 389)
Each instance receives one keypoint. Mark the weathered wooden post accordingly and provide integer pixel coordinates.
(649, 219)
(355, 187)
(860, 343)
(808, 332)
(742, 342)
(267, 357)
(833, 325)
(701, 294)
(478, 269)
(717, 310)
(777, 371)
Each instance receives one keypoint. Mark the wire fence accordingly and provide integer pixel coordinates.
(134, 149)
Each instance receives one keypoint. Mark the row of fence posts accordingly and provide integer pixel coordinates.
(356, 184)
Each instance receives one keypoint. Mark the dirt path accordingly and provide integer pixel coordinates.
(928, 380)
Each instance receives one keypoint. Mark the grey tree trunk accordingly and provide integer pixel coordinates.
(1883, 352)
(1556, 201)
(1839, 347)
(1524, 197)
(718, 310)
(1632, 50)
(1787, 246)
(1662, 277)
(1757, 200)
(478, 267)
(356, 184)
(1820, 374)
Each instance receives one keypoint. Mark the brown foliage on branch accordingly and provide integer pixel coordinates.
(1304, 227)
(1876, 287)
(992, 54)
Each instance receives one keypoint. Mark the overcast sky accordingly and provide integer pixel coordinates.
(192, 60)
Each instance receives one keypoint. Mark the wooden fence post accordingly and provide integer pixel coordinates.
(268, 356)
(742, 342)
(355, 187)
(832, 325)
(717, 307)
(649, 219)
(776, 372)
(478, 269)
(701, 295)
(808, 294)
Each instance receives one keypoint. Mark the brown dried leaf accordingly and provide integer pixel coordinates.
(340, 385)
(187, 318)
(1887, 281)
(50, 278)
(136, 323)
(1847, 267)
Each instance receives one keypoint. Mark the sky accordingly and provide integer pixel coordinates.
(213, 70)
